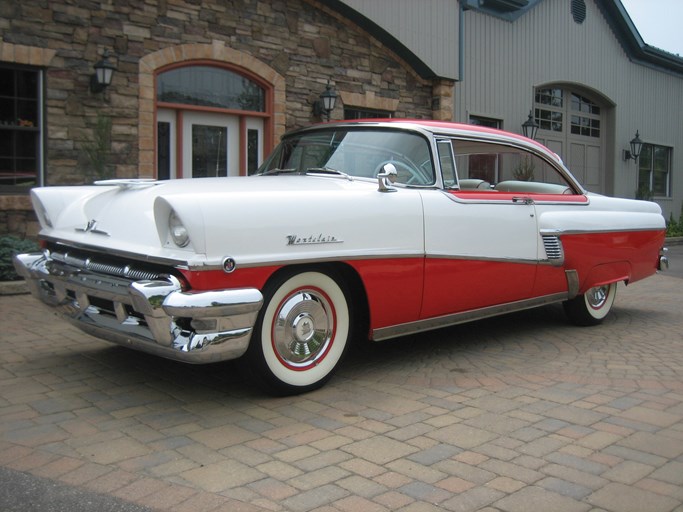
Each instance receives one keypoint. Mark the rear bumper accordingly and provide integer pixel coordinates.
(153, 316)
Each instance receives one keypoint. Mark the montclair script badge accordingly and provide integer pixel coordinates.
(312, 239)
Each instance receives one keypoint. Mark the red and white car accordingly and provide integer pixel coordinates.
(370, 229)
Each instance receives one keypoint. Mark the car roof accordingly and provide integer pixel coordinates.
(438, 127)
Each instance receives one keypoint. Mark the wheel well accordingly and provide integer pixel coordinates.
(351, 282)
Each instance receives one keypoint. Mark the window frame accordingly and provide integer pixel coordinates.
(267, 115)
(38, 129)
(650, 169)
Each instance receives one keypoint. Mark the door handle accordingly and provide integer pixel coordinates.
(522, 200)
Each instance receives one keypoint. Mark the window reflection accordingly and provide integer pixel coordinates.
(210, 87)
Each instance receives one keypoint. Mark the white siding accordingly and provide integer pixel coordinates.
(428, 28)
(504, 61)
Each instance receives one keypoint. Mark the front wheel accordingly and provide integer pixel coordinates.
(591, 307)
(301, 333)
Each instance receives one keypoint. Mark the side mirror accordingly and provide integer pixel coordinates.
(387, 178)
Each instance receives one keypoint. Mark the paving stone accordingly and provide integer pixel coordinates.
(565, 488)
(623, 498)
(537, 498)
(223, 475)
(547, 416)
(423, 492)
(314, 498)
(671, 472)
(379, 449)
(653, 444)
(462, 436)
(628, 472)
(472, 500)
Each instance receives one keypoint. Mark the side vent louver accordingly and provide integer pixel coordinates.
(553, 249)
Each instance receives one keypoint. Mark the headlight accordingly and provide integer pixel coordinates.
(178, 232)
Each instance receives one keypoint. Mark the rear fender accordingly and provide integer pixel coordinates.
(607, 273)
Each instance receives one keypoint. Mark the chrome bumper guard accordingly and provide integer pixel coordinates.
(663, 260)
(153, 316)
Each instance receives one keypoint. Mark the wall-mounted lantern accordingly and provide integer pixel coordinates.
(636, 145)
(530, 127)
(104, 72)
(325, 104)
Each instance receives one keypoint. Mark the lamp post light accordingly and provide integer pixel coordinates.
(636, 145)
(325, 104)
(530, 127)
(104, 72)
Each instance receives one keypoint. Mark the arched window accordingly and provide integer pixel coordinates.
(210, 121)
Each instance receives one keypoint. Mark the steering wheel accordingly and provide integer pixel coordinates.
(415, 176)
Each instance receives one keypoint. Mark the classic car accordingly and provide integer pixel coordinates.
(350, 230)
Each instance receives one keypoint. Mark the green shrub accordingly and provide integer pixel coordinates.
(9, 246)
(673, 227)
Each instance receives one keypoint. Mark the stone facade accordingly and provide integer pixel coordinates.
(297, 45)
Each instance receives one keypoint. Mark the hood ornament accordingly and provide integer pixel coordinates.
(91, 227)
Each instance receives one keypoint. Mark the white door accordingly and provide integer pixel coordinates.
(210, 145)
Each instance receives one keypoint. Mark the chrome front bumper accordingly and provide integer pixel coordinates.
(153, 316)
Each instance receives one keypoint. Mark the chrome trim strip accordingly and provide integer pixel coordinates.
(493, 200)
(572, 283)
(429, 324)
(465, 257)
(561, 232)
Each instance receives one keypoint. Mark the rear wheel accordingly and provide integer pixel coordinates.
(301, 333)
(593, 306)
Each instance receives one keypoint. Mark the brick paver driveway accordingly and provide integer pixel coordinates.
(517, 413)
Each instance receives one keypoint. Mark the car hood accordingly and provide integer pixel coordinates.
(253, 219)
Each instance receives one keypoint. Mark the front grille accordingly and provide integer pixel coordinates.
(553, 247)
(101, 264)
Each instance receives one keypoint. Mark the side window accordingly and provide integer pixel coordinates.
(489, 166)
(445, 149)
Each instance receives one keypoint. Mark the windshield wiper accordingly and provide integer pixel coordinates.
(327, 170)
(273, 172)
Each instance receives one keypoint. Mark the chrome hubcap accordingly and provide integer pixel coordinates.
(303, 329)
(596, 297)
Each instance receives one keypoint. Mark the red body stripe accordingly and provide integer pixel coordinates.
(401, 290)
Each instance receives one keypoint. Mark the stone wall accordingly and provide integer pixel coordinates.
(301, 40)
(17, 217)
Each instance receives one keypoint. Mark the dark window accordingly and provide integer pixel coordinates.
(549, 109)
(489, 122)
(210, 87)
(252, 151)
(654, 171)
(585, 118)
(365, 113)
(164, 150)
(20, 129)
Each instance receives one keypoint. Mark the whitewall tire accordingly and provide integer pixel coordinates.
(301, 333)
(592, 307)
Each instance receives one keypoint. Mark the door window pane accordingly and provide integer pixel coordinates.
(164, 150)
(252, 151)
(209, 151)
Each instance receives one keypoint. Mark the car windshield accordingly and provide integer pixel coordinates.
(355, 153)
